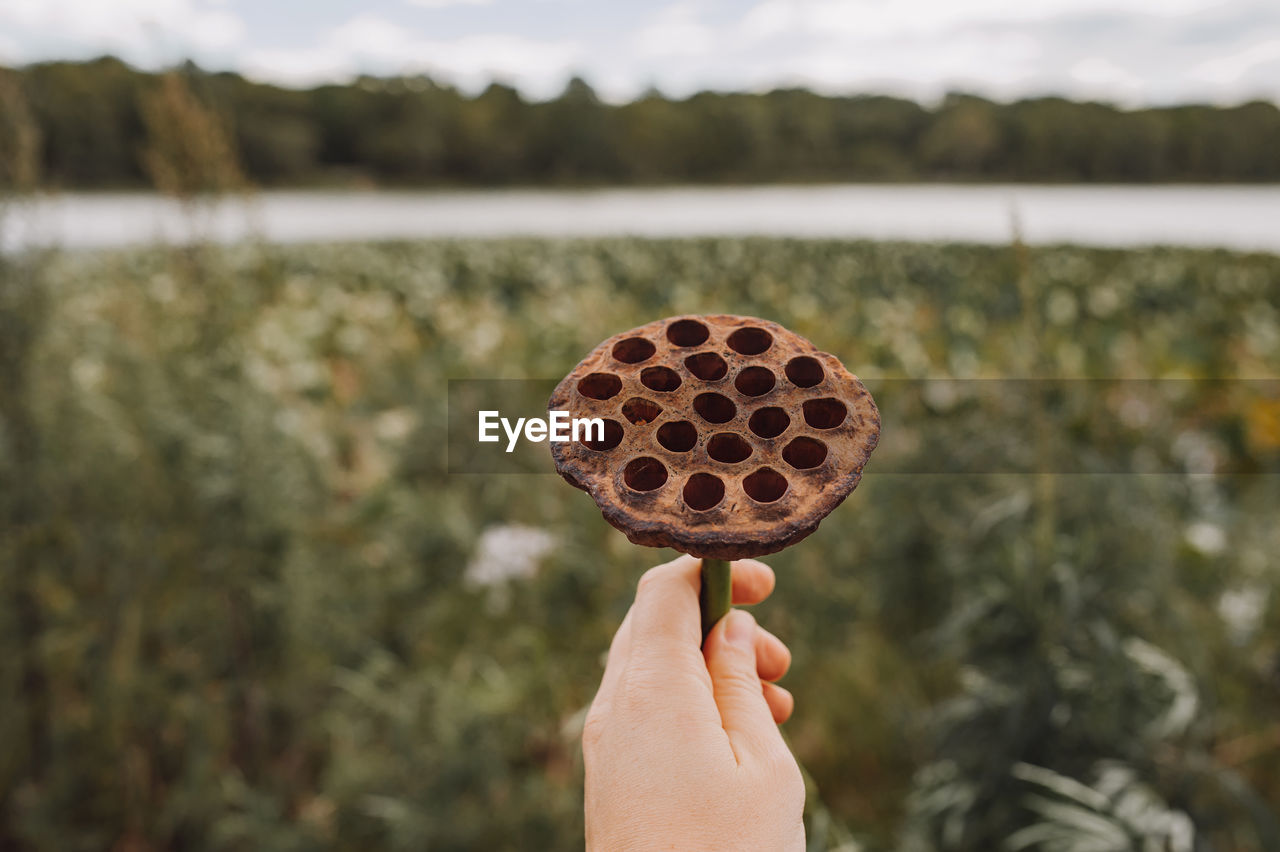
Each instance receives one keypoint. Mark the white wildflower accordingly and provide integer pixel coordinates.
(1061, 308)
(1206, 538)
(395, 424)
(505, 553)
(88, 373)
(1241, 609)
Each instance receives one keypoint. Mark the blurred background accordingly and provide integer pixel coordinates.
(246, 602)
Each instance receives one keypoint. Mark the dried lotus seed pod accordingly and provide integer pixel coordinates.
(725, 436)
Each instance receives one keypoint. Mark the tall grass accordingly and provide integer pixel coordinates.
(235, 564)
(189, 152)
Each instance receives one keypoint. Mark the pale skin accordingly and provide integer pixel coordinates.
(681, 745)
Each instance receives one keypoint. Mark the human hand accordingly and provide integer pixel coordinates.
(681, 744)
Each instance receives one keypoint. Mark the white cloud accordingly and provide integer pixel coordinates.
(145, 30)
(9, 50)
(1131, 51)
(923, 67)
(676, 31)
(442, 4)
(1100, 77)
(372, 44)
(770, 18)
(1229, 69)
(879, 19)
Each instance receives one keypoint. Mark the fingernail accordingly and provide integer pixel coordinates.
(739, 627)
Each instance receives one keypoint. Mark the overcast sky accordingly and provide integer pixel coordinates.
(1127, 51)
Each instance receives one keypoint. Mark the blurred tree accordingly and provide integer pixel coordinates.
(19, 139)
(410, 126)
(964, 140)
(275, 133)
(89, 121)
(572, 139)
(876, 136)
(721, 141)
(493, 138)
(413, 130)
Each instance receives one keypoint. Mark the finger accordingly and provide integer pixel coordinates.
(780, 702)
(773, 658)
(667, 623)
(665, 615)
(752, 581)
(666, 604)
(744, 712)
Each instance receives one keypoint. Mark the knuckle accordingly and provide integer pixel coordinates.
(785, 775)
(648, 580)
(637, 690)
(660, 576)
(593, 730)
(739, 679)
(775, 652)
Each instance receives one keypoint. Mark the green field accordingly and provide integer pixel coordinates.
(234, 601)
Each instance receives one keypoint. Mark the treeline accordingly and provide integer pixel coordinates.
(93, 131)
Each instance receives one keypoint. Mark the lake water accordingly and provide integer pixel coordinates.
(1235, 217)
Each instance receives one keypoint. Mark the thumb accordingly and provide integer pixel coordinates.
(744, 713)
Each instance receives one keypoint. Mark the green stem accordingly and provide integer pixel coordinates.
(716, 595)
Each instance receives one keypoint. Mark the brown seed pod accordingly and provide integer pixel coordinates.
(725, 436)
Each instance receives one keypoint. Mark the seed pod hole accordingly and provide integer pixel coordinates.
(633, 350)
(769, 422)
(714, 408)
(805, 372)
(600, 385)
(612, 437)
(707, 366)
(640, 410)
(662, 379)
(728, 448)
(765, 485)
(678, 436)
(825, 413)
(687, 333)
(755, 381)
(805, 453)
(703, 491)
(644, 474)
(750, 340)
